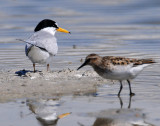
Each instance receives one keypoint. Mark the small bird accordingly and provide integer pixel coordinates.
(117, 68)
(42, 45)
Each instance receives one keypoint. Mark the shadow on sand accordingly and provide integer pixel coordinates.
(24, 72)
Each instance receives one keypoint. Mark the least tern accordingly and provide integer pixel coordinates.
(117, 68)
(42, 45)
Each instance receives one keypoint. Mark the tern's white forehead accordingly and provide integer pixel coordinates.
(50, 30)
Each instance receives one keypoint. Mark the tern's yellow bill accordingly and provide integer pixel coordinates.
(62, 30)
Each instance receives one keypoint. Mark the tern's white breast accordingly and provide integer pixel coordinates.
(36, 55)
(43, 46)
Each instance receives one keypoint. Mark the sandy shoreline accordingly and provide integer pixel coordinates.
(25, 84)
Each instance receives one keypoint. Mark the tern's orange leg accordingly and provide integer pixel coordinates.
(34, 70)
(47, 67)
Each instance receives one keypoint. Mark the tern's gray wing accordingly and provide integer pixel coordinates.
(29, 44)
(44, 41)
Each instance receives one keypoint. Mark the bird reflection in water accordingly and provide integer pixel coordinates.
(46, 111)
(120, 117)
(121, 102)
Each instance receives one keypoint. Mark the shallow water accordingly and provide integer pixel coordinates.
(119, 27)
(102, 108)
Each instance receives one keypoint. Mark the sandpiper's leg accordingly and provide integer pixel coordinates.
(121, 86)
(34, 70)
(47, 67)
(131, 93)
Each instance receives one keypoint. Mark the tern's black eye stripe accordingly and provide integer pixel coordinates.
(55, 26)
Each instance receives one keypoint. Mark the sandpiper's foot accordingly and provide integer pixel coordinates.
(132, 94)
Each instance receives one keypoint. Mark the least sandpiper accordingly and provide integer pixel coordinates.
(117, 68)
(42, 45)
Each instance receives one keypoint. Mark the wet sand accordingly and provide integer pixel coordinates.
(26, 84)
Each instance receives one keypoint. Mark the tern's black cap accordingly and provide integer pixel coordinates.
(44, 24)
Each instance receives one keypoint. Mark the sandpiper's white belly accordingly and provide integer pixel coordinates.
(36, 55)
(123, 72)
(116, 75)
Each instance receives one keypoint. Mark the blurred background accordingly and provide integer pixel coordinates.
(107, 27)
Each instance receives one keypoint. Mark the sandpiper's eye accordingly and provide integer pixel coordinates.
(94, 58)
